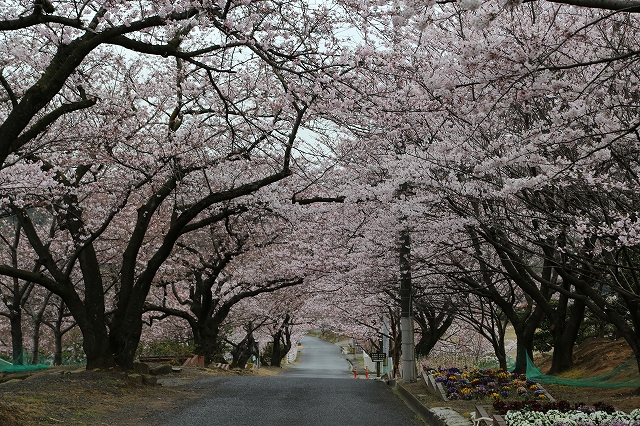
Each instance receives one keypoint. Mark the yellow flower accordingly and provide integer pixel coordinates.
(495, 395)
(542, 396)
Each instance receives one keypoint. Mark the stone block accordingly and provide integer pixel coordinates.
(135, 378)
(161, 370)
(140, 368)
(149, 380)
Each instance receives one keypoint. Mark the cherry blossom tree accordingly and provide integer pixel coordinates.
(493, 106)
(127, 132)
(60, 323)
(191, 106)
(15, 292)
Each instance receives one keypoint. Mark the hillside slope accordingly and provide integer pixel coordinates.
(593, 358)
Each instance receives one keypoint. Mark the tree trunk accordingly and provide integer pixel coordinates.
(37, 322)
(58, 331)
(523, 350)
(96, 346)
(206, 335)
(281, 347)
(36, 344)
(124, 339)
(208, 344)
(243, 351)
(281, 343)
(57, 353)
(287, 343)
(500, 352)
(565, 334)
(15, 318)
(524, 342)
(276, 354)
(95, 343)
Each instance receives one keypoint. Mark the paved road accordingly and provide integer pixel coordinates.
(320, 359)
(318, 391)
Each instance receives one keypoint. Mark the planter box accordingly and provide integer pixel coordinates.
(547, 394)
(496, 420)
(434, 387)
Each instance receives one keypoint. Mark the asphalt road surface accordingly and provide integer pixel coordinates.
(318, 391)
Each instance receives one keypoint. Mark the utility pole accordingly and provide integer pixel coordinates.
(385, 345)
(406, 316)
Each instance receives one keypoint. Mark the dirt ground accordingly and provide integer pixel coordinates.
(73, 396)
(592, 358)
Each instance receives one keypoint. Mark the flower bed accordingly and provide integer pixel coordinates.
(572, 418)
(485, 383)
(563, 413)
(502, 407)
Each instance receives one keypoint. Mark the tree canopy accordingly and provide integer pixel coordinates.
(248, 168)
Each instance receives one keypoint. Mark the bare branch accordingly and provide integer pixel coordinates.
(618, 5)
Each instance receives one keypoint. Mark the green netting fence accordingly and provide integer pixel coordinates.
(623, 376)
(19, 366)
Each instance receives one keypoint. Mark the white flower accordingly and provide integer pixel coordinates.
(527, 418)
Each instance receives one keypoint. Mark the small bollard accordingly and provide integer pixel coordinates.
(355, 371)
(366, 372)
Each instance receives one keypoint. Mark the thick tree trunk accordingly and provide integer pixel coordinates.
(207, 344)
(500, 352)
(95, 343)
(206, 336)
(286, 346)
(125, 338)
(281, 343)
(96, 346)
(395, 341)
(565, 333)
(100, 354)
(15, 318)
(57, 352)
(276, 354)
(36, 344)
(523, 350)
(524, 343)
(243, 351)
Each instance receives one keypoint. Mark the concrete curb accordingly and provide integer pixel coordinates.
(427, 415)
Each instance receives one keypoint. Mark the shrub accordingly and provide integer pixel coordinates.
(165, 348)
